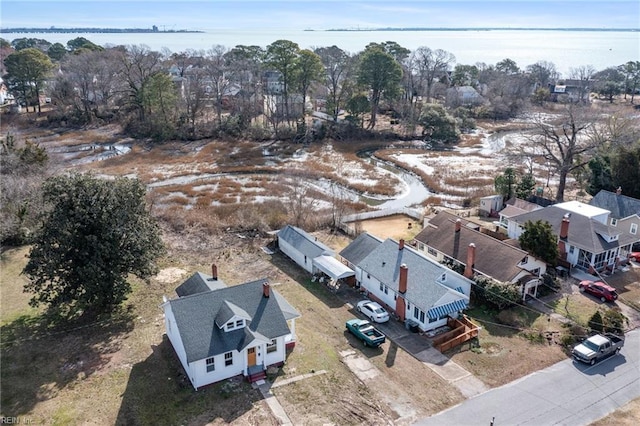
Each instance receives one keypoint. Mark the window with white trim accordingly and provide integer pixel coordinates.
(634, 228)
(272, 346)
(211, 364)
(432, 251)
(230, 325)
(228, 359)
(614, 221)
(239, 323)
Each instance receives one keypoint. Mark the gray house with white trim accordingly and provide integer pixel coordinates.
(406, 282)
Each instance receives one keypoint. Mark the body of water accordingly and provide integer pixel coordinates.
(566, 49)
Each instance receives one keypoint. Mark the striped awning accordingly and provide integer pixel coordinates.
(444, 310)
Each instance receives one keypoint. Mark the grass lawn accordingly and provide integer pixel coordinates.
(508, 352)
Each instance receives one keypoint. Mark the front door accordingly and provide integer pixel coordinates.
(251, 357)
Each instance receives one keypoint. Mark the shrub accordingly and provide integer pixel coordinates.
(595, 322)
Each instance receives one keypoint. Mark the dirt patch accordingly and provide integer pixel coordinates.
(170, 275)
(395, 226)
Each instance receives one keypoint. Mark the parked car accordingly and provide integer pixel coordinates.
(597, 347)
(373, 311)
(599, 289)
(366, 332)
(635, 255)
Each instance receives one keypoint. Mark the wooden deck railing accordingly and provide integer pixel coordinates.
(462, 330)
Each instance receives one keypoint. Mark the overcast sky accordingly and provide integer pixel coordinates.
(319, 14)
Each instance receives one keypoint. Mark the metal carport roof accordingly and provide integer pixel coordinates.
(332, 267)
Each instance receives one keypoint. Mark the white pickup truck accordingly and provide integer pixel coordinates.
(597, 347)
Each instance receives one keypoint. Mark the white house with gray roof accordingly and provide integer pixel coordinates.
(586, 237)
(220, 332)
(311, 254)
(406, 282)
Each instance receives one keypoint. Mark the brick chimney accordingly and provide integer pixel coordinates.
(458, 225)
(402, 281)
(265, 289)
(564, 233)
(402, 289)
(401, 244)
(564, 226)
(471, 260)
(214, 272)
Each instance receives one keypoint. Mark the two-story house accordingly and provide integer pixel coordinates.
(586, 238)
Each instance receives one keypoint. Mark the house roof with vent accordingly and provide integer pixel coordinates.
(494, 258)
(196, 316)
(620, 206)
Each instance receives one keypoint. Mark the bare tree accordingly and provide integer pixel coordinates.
(565, 141)
(582, 75)
(138, 65)
(429, 65)
(216, 66)
(301, 203)
(339, 70)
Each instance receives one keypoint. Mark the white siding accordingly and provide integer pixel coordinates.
(277, 356)
(176, 341)
(295, 255)
(221, 372)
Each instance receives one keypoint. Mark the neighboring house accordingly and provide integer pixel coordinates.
(463, 96)
(490, 205)
(220, 332)
(585, 238)
(311, 254)
(446, 236)
(515, 207)
(572, 90)
(410, 285)
(620, 206)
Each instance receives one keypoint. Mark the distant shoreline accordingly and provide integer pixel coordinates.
(94, 30)
(484, 29)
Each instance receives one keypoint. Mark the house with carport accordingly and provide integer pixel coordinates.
(411, 286)
(220, 331)
(311, 254)
(586, 238)
(447, 237)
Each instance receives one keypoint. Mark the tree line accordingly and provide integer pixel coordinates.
(257, 92)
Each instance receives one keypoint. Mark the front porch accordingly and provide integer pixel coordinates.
(256, 372)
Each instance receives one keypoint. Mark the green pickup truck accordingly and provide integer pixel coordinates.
(366, 332)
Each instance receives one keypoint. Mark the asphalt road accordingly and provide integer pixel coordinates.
(567, 393)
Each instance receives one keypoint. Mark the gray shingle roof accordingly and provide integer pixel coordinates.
(199, 283)
(583, 232)
(359, 248)
(423, 290)
(196, 319)
(305, 243)
(620, 206)
(494, 258)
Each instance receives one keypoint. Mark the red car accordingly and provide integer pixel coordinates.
(599, 289)
(635, 255)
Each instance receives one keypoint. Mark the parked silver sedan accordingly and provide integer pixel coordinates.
(373, 311)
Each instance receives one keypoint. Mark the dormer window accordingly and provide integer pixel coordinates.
(233, 325)
(614, 221)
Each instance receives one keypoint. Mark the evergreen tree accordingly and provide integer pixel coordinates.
(539, 239)
(96, 234)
